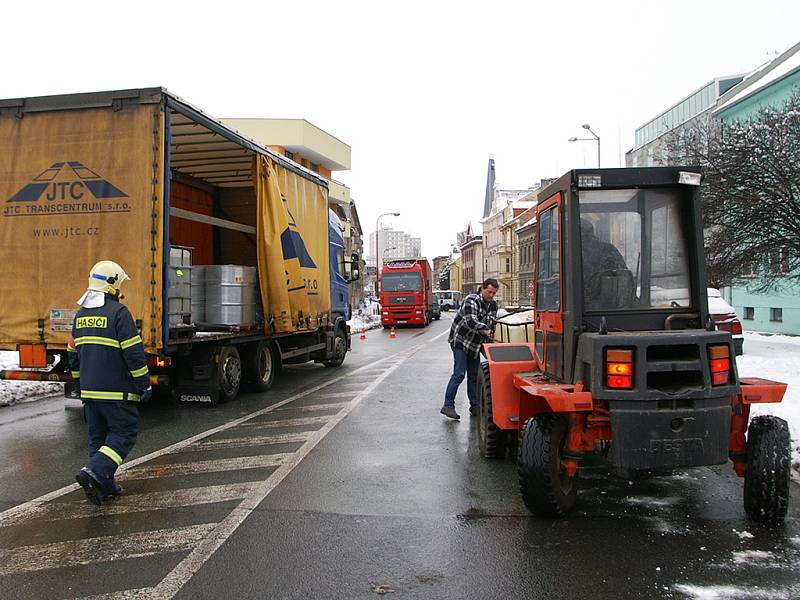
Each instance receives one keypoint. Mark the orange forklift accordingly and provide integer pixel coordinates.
(625, 360)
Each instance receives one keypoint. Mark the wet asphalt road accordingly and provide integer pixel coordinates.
(368, 490)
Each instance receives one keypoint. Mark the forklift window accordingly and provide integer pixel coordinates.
(633, 249)
(549, 268)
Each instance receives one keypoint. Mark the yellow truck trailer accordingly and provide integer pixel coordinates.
(142, 177)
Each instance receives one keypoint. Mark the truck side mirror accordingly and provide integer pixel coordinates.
(355, 271)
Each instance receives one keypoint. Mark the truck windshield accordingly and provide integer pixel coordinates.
(400, 282)
(634, 249)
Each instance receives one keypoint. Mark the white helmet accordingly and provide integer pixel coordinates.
(107, 276)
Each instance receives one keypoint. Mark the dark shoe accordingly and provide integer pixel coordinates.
(473, 411)
(116, 491)
(90, 485)
(450, 412)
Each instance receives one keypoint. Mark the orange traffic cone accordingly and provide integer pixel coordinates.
(363, 335)
(392, 334)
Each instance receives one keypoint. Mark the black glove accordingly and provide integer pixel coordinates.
(146, 394)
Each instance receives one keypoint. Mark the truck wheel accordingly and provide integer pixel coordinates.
(229, 373)
(491, 439)
(261, 367)
(546, 488)
(766, 482)
(339, 350)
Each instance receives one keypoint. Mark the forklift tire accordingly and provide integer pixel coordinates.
(546, 490)
(261, 366)
(766, 481)
(491, 439)
(339, 350)
(229, 373)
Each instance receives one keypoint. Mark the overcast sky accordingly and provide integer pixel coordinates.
(423, 92)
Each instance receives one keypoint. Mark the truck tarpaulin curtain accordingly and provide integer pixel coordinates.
(77, 187)
(283, 288)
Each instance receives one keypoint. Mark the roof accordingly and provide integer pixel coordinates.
(781, 67)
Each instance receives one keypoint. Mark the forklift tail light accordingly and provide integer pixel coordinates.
(619, 369)
(720, 364)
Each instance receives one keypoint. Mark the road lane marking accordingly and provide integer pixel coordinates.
(183, 572)
(130, 503)
(208, 466)
(249, 442)
(296, 422)
(315, 407)
(27, 559)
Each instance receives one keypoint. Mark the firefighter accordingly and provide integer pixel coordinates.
(107, 360)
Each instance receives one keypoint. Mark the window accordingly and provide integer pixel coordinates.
(289, 155)
(749, 313)
(549, 271)
(779, 261)
(508, 265)
(618, 270)
(776, 315)
(315, 167)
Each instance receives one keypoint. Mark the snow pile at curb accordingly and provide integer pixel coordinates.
(776, 357)
(361, 323)
(14, 392)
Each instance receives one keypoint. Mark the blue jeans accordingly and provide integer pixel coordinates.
(463, 363)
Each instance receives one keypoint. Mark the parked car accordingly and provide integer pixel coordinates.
(725, 318)
(436, 309)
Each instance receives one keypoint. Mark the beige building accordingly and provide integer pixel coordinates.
(498, 241)
(316, 150)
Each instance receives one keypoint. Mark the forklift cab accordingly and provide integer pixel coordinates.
(631, 259)
(625, 360)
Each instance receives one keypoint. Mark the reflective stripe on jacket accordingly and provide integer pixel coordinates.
(106, 354)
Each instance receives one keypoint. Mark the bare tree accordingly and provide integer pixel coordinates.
(750, 193)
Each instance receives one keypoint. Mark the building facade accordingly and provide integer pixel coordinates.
(472, 274)
(393, 243)
(526, 253)
(439, 266)
(650, 146)
(777, 311)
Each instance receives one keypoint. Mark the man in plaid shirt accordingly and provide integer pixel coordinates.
(471, 328)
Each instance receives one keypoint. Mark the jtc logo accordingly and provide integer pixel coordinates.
(67, 182)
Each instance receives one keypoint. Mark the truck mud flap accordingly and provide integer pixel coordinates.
(670, 433)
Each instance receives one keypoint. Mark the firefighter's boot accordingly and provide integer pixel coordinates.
(91, 486)
(115, 491)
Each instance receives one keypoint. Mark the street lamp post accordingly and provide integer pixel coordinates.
(596, 138)
(378, 258)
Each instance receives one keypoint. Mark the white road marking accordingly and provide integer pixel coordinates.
(177, 578)
(129, 503)
(208, 466)
(350, 394)
(248, 442)
(314, 407)
(123, 595)
(287, 422)
(27, 559)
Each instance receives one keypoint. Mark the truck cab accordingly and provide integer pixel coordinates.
(406, 292)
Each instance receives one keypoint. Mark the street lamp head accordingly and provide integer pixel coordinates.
(572, 139)
(396, 214)
(586, 126)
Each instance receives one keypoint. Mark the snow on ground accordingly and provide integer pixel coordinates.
(776, 357)
(14, 392)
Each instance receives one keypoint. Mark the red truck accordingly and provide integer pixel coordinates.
(406, 292)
